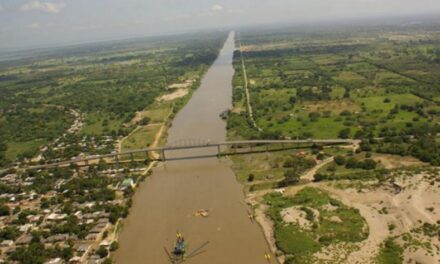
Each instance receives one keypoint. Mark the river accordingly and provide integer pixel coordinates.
(166, 201)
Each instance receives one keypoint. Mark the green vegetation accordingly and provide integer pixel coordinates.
(271, 169)
(329, 221)
(365, 82)
(82, 101)
(390, 253)
(101, 86)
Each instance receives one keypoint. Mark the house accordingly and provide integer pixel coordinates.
(58, 238)
(92, 236)
(105, 243)
(56, 217)
(75, 260)
(26, 227)
(7, 243)
(23, 240)
(82, 249)
(10, 179)
(94, 259)
(55, 261)
(33, 218)
(103, 221)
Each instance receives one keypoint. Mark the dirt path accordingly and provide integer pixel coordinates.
(246, 89)
(309, 174)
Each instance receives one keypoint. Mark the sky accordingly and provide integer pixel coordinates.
(38, 23)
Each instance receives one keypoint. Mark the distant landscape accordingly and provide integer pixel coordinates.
(374, 198)
(80, 102)
(373, 202)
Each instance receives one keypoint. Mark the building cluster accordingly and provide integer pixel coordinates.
(75, 212)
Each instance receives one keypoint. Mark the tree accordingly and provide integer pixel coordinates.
(340, 160)
(145, 121)
(344, 133)
(107, 261)
(292, 100)
(369, 164)
(318, 177)
(320, 156)
(351, 163)
(114, 246)
(250, 177)
(4, 210)
(102, 252)
(291, 177)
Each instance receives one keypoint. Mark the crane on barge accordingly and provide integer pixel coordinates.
(179, 253)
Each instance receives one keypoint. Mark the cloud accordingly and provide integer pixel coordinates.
(34, 25)
(47, 7)
(1, 8)
(217, 8)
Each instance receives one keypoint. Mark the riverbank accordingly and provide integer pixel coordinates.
(400, 217)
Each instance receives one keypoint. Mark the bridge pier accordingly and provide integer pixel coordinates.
(218, 150)
(162, 155)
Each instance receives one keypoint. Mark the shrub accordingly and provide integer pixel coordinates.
(340, 160)
(102, 252)
(344, 133)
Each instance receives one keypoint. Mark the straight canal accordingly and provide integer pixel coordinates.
(167, 200)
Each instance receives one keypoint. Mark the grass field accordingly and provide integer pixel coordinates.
(17, 148)
(141, 138)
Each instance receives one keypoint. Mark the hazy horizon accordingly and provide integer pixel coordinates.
(26, 24)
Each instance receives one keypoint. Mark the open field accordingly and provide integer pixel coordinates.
(372, 202)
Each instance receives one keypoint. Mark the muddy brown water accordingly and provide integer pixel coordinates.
(166, 201)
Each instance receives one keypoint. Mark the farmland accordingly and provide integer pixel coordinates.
(81, 100)
(375, 84)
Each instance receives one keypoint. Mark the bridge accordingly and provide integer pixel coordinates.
(221, 149)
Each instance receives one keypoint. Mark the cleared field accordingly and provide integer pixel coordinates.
(141, 137)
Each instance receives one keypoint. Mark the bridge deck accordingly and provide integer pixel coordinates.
(207, 145)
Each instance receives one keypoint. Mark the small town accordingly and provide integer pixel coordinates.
(72, 214)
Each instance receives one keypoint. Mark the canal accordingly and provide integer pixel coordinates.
(166, 202)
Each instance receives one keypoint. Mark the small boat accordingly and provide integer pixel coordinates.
(179, 253)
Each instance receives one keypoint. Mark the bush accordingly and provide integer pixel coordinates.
(4, 210)
(114, 246)
(320, 156)
(344, 133)
(291, 177)
(352, 163)
(340, 160)
(369, 164)
(318, 177)
(102, 252)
